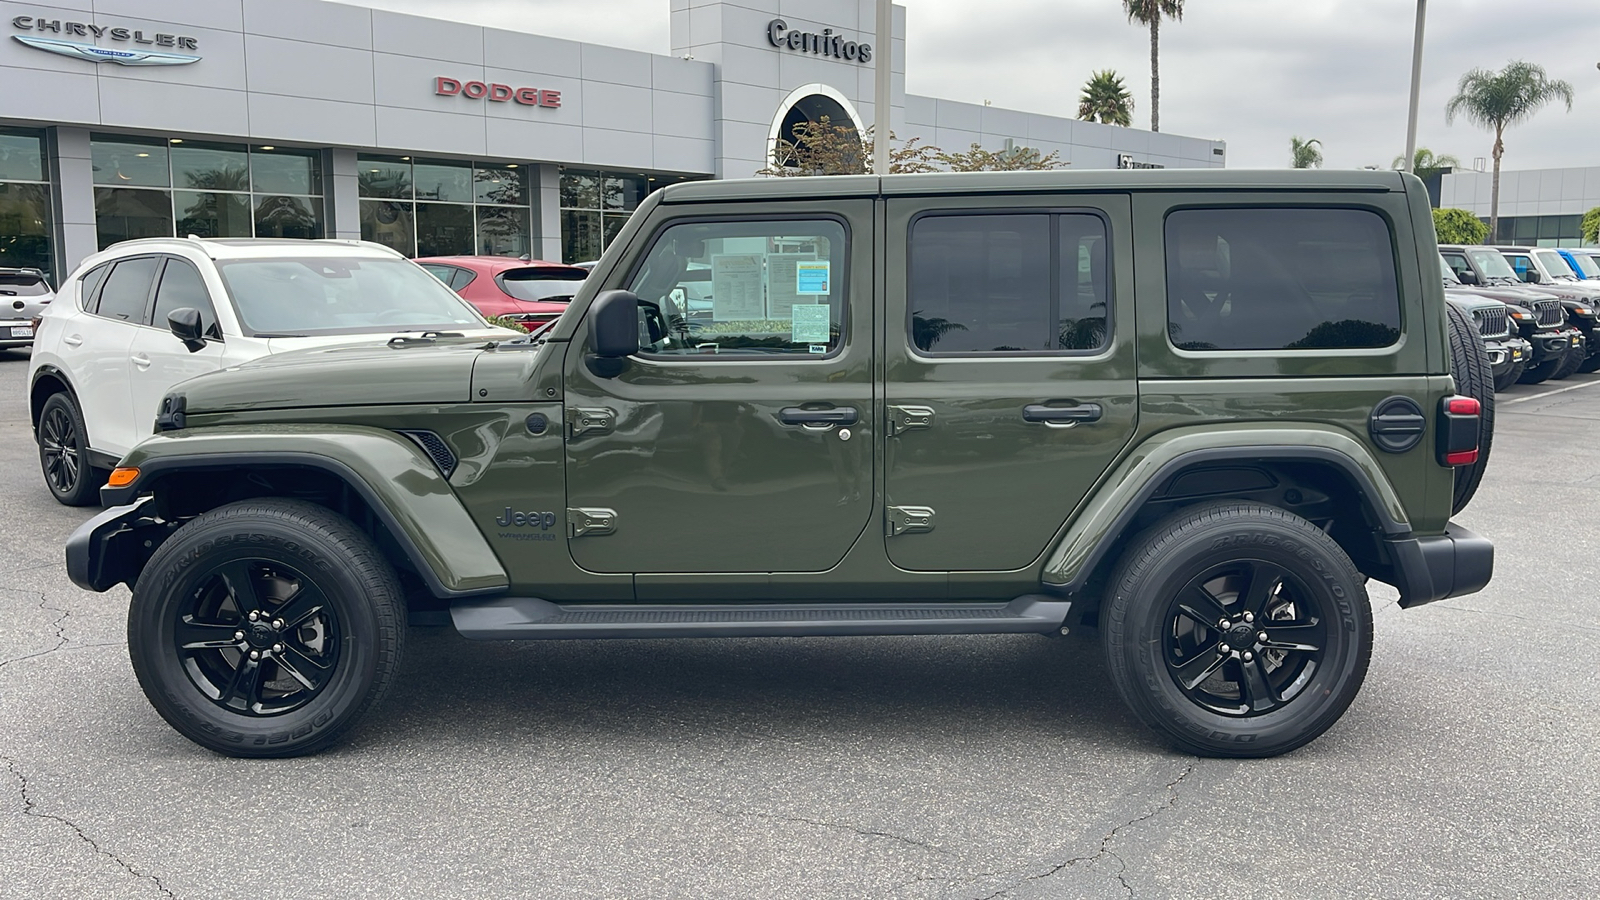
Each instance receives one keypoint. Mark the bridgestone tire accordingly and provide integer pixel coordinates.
(64, 453)
(1510, 377)
(1591, 364)
(282, 547)
(1469, 365)
(1569, 364)
(1160, 568)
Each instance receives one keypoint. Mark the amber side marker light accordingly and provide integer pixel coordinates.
(122, 476)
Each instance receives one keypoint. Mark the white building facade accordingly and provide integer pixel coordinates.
(1542, 207)
(305, 118)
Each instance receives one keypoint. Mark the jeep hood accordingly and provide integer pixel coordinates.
(349, 375)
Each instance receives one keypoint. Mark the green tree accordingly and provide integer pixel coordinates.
(1457, 226)
(1305, 154)
(823, 148)
(1591, 226)
(1105, 99)
(1010, 158)
(1150, 13)
(1425, 165)
(1498, 100)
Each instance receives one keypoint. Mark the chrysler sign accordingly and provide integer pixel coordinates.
(61, 33)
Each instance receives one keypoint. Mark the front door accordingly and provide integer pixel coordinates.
(159, 359)
(740, 439)
(1010, 372)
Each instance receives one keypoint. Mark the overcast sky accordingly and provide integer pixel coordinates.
(1250, 72)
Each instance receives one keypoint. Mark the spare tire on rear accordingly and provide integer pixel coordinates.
(1469, 365)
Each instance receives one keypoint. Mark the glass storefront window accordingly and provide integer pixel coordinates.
(388, 177)
(504, 231)
(623, 193)
(581, 239)
(222, 190)
(26, 236)
(122, 214)
(125, 162)
(444, 229)
(449, 182)
(505, 185)
(285, 172)
(595, 206)
(213, 214)
(288, 217)
(21, 156)
(389, 222)
(580, 190)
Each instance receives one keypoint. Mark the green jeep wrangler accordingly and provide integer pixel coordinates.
(1196, 410)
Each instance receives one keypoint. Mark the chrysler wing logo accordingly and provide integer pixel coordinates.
(100, 54)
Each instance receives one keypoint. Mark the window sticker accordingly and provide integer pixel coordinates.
(783, 282)
(809, 323)
(811, 277)
(736, 287)
(819, 349)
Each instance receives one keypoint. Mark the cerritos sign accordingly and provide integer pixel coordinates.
(496, 93)
(61, 33)
(780, 35)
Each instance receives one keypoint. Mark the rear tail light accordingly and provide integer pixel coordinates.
(1459, 425)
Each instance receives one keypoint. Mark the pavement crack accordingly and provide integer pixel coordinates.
(30, 808)
(820, 823)
(1509, 615)
(1171, 789)
(59, 625)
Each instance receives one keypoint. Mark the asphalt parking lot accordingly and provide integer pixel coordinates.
(964, 767)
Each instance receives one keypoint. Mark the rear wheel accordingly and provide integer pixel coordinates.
(1469, 366)
(64, 452)
(266, 628)
(1237, 629)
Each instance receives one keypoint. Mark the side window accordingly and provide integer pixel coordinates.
(1280, 279)
(441, 272)
(462, 278)
(89, 283)
(1519, 263)
(127, 290)
(1458, 264)
(181, 286)
(1028, 283)
(742, 289)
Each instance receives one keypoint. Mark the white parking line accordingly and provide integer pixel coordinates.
(1573, 387)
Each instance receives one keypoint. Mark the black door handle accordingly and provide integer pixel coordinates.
(1062, 416)
(835, 415)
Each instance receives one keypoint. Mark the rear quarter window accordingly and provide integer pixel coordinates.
(1280, 279)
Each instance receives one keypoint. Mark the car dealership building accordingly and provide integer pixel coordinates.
(304, 118)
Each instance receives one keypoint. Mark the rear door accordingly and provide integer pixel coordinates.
(1010, 371)
(99, 346)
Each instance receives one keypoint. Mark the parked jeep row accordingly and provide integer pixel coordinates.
(1552, 313)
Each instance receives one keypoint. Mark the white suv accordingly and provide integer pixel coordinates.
(137, 318)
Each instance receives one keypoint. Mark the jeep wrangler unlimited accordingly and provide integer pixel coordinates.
(1195, 409)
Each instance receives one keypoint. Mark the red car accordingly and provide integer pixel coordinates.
(532, 292)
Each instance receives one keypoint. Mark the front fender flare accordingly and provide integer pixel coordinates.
(396, 479)
(1120, 497)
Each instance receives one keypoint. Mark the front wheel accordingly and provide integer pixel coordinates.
(1237, 630)
(266, 628)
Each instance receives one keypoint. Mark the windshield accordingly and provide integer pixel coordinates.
(1586, 265)
(555, 283)
(1492, 264)
(1555, 264)
(329, 295)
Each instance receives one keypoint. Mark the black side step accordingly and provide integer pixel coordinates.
(524, 618)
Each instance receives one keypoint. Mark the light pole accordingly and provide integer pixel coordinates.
(880, 93)
(1416, 88)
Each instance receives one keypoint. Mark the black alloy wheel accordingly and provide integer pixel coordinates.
(258, 637)
(266, 628)
(1244, 638)
(64, 453)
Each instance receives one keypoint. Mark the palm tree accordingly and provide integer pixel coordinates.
(1305, 154)
(1106, 100)
(1499, 100)
(1425, 165)
(1151, 12)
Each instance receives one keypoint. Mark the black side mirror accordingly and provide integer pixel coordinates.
(614, 331)
(184, 323)
(1531, 276)
(1467, 276)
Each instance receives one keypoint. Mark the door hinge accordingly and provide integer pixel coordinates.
(591, 420)
(909, 520)
(590, 521)
(909, 418)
